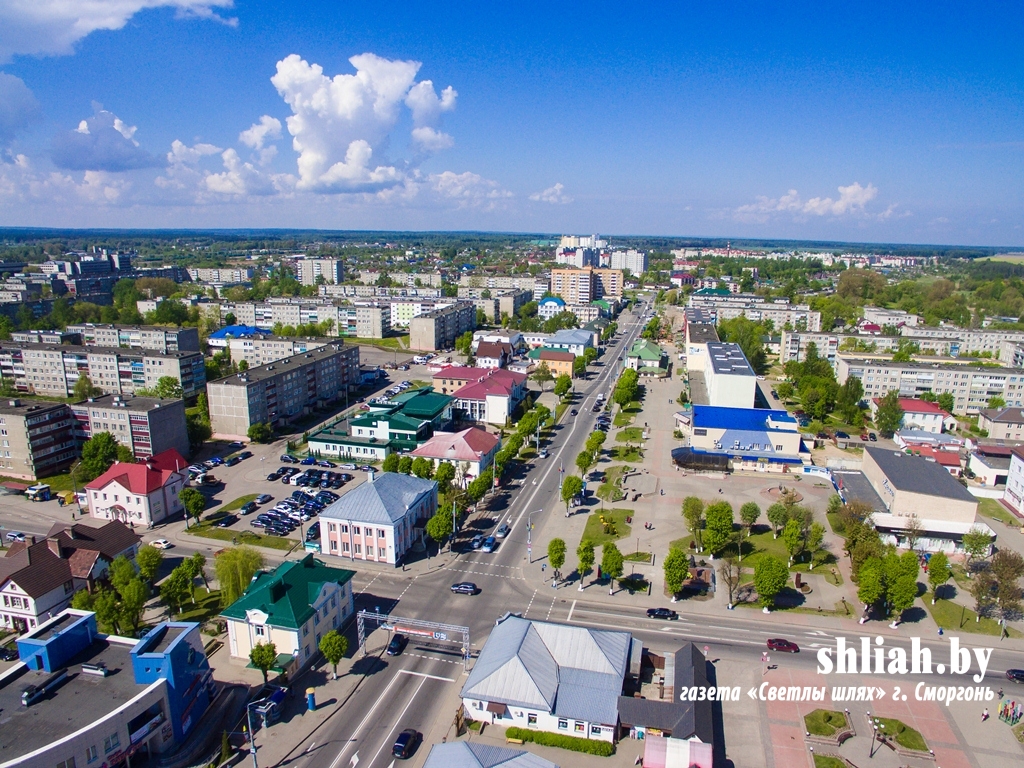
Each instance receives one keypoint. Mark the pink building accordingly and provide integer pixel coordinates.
(141, 494)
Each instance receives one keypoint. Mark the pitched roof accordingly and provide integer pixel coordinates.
(570, 336)
(109, 539)
(481, 374)
(286, 595)
(493, 349)
(684, 669)
(397, 422)
(36, 569)
(913, 405)
(1004, 415)
(467, 445)
(557, 355)
(914, 474)
(467, 754)
(645, 350)
(386, 499)
(497, 381)
(569, 671)
(423, 402)
(145, 477)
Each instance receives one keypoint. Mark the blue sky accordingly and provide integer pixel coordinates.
(744, 119)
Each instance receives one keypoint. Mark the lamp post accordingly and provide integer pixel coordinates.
(529, 537)
(251, 733)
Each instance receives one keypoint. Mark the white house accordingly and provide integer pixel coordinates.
(380, 519)
(470, 451)
(143, 493)
(548, 307)
(573, 340)
(492, 398)
(1013, 496)
(292, 607)
(922, 416)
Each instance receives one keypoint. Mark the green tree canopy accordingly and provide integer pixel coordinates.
(84, 388)
(334, 646)
(718, 522)
(422, 467)
(148, 560)
(584, 460)
(390, 463)
(585, 559)
(260, 432)
(444, 476)
(676, 566)
(235, 568)
(562, 385)
(770, 577)
(611, 564)
(439, 526)
(889, 414)
(193, 501)
(263, 656)
(693, 513)
(98, 453)
(939, 572)
(571, 487)
(556, 553)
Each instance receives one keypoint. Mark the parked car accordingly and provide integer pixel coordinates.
(784, 646)
(226, 522)
(273, 476)
(216, 461)
(309, 461)
(366, 468)
(326, 463)
(872, 437)
(662, 613)
(543, 453)
(842, 436)
(248, 508)
(15, 536)
(161, 544)
(465, 588)
(8, 654)
(289, 459)
(236, 444)
(397, 644)
(263, 498)
(503, 530)
(490, 544)
(232, 461)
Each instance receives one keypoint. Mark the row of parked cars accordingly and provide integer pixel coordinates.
(310, 478)
(288, 514)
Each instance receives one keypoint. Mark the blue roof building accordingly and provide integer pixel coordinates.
(549, 307)
(750, 437)
(219, 338)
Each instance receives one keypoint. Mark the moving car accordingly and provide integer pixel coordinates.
(161, 544)
(785, 646)
(465, 588)
(397, 644)
(15, 536)
(490, 544)
(1016, 675)
(662, 613)
(574, 412)
(503, 530)
(872, 437)
(477, 542)
(543, 453)
(406, 743)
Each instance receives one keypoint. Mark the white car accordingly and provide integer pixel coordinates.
(161, 544)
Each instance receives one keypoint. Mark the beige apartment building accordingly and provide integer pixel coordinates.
(582, 286)
(37, 438)
(438, 330)
(310, 270)
(154, 337)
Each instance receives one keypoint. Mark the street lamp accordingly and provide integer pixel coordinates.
(529, 536)
(251, 733)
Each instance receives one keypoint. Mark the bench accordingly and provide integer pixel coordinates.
(513, 741)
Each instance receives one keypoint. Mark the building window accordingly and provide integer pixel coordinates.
(261, 631)
(112, 742)
(305, 631)
(69, 763)
(92, 754)
(579, 727)
(595, 730)
(344, 546)
(531, 718)
(563, 724)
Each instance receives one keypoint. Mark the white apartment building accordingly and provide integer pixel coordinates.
(633, 260)
(779, 311)
(221, 276)
(310, 270)
(897, 317)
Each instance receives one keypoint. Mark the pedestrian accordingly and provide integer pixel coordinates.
(940, 631)
(984, 715)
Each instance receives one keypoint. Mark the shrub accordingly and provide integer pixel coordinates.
(574, 743)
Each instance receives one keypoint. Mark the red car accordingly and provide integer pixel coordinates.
(784, 646)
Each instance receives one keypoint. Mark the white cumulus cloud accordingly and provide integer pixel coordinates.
(341, 126)
(52, 27)
(554, 195)
(18, 107)
(266, 130)
(468, 189)
(102, 142)
(852, 200)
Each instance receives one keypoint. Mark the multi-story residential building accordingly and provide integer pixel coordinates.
(37, 438)
(1002, 423)
(145, 425)
(895, 317)
(963, 341)
(578, 257)
(403, 310)
(44, 369)
(582, 286)
(355, 291)
(498, 302)
(585, 313)
(971, 386)
(46, 337)
(437, 330)
(311, 270)
(261, 349)
(405, 279)
(282, 391)
(225, 276)
(493, 354)
(633, 260)
(140, 494)
(537, 285)
(155, 337)
(365, 321)
(369, 320)
(728, 305)
(377, 520)
(794, 346)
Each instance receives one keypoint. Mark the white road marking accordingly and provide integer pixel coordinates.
(409, 704)
(571, 609)
(424, 674)
(532, 597)
(551, 608)
(369, 714)
(310, 747)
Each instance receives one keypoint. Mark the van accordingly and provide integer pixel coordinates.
(39, 492)
(419, 360)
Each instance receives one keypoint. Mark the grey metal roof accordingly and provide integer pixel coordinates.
(700, 333)
(856, 487)
(566, 670)
(684, 669)
(385, 499)
(914, 474)
(466, 754)
(727, 357)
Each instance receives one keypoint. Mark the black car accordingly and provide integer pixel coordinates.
(872, 437)
(842, 436)
(397, 644)
(287, 459)
(232, 461)
(465, 588)
(574, 412)
(244, 455)
(662, 613)
(248, 508)
(226, 522)
(346, 477)
(406, 743)
(8, 654)
(1016, 675)
(273, 476)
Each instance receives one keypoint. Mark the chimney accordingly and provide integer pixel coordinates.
(54, 546)
(369, 476)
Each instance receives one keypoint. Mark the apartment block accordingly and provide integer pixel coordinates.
(282, 391)
(897, 317)
(377, 292)
(582, 286)
(499, 303)
(46, 337)
(963, 340)
(407, 279)
(155, 337)
(222, 276)
(37, 438)
(366, 321)
(538, 285)
(728, 306)
(437, 330)
(794, 346)
(146, 425)
(633, 260)
(45, 369)
(260, 349)
(310, 270)
(971, 386)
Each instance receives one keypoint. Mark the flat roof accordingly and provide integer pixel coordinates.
(128, 402)
(26, 405)
(926, 365)
(291, 363)
(915, 474)
(83, 350)
(727, 358)
(75, 704)
(701, 333)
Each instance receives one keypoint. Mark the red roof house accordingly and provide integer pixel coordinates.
(471, 451)
(139, 494)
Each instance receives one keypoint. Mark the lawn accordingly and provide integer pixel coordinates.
(630, 454)
(559, 411)
(638, 557)
(951, 616)
(243, 537)
(824, 722)
(904, 735)
(630, 435)
(391, 342)
(827, 761)
(609, 489)
(994, 510)
(207, 606)
(626, 416)
(57, 483)
(238, 503)
(612, 528)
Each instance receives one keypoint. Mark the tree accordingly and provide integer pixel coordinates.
(543, 374)
(677, 569)
(976, 543)
(718, 526)
(198, 561)
(444, 475)
(479, 487)
(390, 463)
(996, 402)
(870, 586)
(589, 355)
(464, 344)
(133, 603)
(946, 402)
(848, 400)
(572, 486)
(579, 368)
(84, 388)
(1007, 567)
(260, 432)
(334, 646)
(611, 564)
(785, 390)
(121, 571)
(982, 587)
(889, 414)
(108, 612)
(98, 453)
(595, 441)
(731, 574)
(793, 537)
(938, 573)
(749, 515)
(693, 513)
(422, 467)
(176, 588)
(585, 559)
(440, 525)
(193, 501)
(168, 388)
(562, 385)
(197, 428)
(901, 595)
(263, 656)
(556, 553)
(913, 531)
(770, 576)
(235, 568)
(148, 559)
(584, 460)
(815, 539)
(778, 516)
(405, 465)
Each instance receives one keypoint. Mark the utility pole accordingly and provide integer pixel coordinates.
(529, 536)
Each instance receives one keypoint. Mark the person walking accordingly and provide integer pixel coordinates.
(984, 715)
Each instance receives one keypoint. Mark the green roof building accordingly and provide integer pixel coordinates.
(647, 358)
(292, 607)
